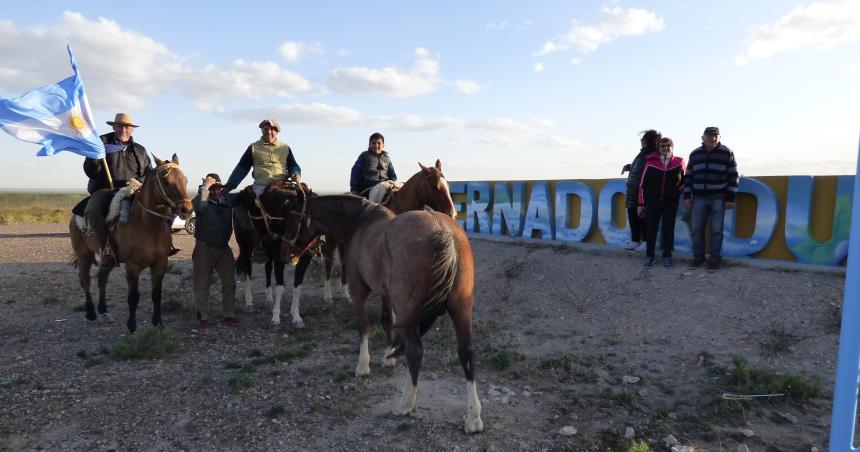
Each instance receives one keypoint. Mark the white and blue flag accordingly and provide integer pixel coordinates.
(56, 116)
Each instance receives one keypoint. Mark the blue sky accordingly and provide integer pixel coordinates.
(496, 90)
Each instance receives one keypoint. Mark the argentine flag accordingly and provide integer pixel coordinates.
(56, 116)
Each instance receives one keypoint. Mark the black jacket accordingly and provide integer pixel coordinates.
(369, 170)
(129, 163)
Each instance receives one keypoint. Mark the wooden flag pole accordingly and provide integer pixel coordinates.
(107, 170)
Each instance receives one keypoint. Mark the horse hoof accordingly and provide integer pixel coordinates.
(473, 425)
(105, 318)
(403, 411)
(389, 362)
(298, 324)
(91, 317)
(328, 299)
(276, 322)
(365, 372)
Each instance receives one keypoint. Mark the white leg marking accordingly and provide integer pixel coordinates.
(276, 309)
(249, 300)
(473, 409)
(105, 318)
(269, 298)
(407, 399)
(298, 323)
(363, 367)
(389, 362)
(327, 296)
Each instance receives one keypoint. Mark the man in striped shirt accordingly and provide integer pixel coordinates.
(710, 186)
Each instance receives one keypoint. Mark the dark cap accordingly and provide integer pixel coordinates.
(214, 176)
(271, 123)
(712, 130)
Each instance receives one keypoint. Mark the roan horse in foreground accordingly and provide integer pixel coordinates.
(142, 242)
(422, 265)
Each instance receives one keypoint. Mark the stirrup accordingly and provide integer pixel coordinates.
(173, 250)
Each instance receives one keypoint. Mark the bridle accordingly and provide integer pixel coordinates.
(163, 170)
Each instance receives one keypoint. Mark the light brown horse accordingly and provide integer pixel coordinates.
(143, 242)
(422, 265)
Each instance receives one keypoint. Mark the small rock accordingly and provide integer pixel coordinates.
(630, 380)
(748, 432)
(506, 400)
(814, 449)
(670, 441)
(743, 448)
(788, 417)
(567, 430)
(629, 433)
(683, 449)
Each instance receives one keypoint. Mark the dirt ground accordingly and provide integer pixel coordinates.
(563, 333)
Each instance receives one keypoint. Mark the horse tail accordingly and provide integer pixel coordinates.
(444, 273)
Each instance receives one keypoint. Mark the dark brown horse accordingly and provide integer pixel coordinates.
(426, 188)
(422, 265)
(143, 242)
(267, 214)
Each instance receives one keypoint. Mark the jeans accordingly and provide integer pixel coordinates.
(702, 207)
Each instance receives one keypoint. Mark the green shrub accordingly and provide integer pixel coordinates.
(148, 343)
(240, 381)
(639, 446)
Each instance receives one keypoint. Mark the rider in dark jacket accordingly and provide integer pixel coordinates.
(372, 167)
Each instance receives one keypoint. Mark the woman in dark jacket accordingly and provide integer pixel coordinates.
(660, 187)
(648, 144)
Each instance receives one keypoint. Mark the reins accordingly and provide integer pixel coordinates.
(165, 169)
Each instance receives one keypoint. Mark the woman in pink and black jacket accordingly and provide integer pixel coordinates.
(660, 188)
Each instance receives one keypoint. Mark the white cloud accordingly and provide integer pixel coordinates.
(575, 61)
(120, 67)
(496, 26)
(616, 22)
(467, 87)
(328, 115)
(343, 52)
(242, 80)
(538, 67)
(315, 113)
(422, 79)
(555, 141)
(294, 51)
(820, 26)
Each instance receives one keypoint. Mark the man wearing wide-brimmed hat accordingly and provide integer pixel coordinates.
(127, 163)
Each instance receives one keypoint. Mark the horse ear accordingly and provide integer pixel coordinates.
(438, 165)
(158, 161)
(423, 168)
(175, 159)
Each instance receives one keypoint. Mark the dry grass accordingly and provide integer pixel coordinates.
(37, 208)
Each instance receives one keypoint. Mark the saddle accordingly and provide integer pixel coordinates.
(381, 192)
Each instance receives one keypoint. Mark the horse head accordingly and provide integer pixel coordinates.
(169, 187)
(434, 191)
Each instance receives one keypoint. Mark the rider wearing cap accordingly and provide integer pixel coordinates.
(270, 158)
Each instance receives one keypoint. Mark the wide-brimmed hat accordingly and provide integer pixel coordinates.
(122, 119)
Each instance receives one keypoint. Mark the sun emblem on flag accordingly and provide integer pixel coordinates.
(77, 122)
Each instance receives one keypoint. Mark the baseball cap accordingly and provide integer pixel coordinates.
(712, 130)
(271, 123)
